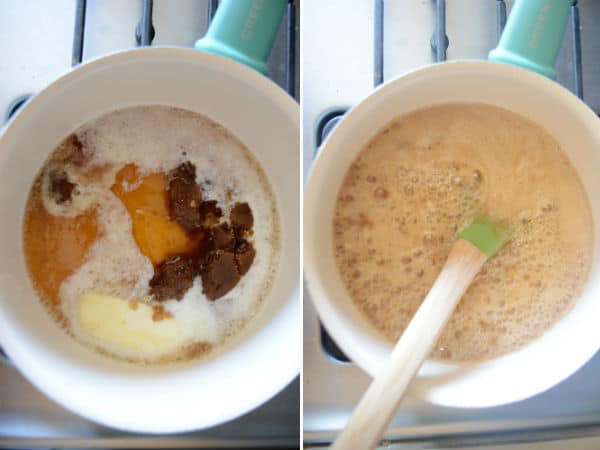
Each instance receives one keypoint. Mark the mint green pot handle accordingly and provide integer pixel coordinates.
(533, 35)
(244, 30)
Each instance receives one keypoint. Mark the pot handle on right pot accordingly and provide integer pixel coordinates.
(533, 35)
(244, 30)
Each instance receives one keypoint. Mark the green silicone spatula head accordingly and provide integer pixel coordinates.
(485, 234)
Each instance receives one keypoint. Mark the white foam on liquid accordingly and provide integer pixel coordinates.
(158, 139)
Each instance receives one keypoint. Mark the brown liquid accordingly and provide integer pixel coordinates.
(425, 177)
(55, 246)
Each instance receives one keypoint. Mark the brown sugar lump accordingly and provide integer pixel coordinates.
(185, 196)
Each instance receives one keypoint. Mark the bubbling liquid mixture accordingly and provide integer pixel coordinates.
(425, 177)
(151, 234)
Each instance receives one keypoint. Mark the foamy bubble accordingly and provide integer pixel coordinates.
(435, 187)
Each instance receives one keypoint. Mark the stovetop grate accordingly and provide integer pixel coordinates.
(145, 32)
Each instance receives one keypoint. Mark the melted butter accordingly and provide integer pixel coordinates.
(128, 326)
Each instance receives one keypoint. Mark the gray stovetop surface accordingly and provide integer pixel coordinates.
(571, 410)
(30, 420)
(39, 35)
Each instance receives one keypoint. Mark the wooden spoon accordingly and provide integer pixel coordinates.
(476, 243)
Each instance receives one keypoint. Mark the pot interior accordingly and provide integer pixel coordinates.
(545, 361)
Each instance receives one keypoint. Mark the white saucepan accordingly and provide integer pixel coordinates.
(570, 342)
(247, 370)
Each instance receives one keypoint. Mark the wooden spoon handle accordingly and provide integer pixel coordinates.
(380, 401)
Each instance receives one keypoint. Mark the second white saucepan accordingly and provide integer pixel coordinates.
(569, 343)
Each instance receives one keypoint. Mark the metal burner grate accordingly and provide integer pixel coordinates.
(283, 74)
(145, 32)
